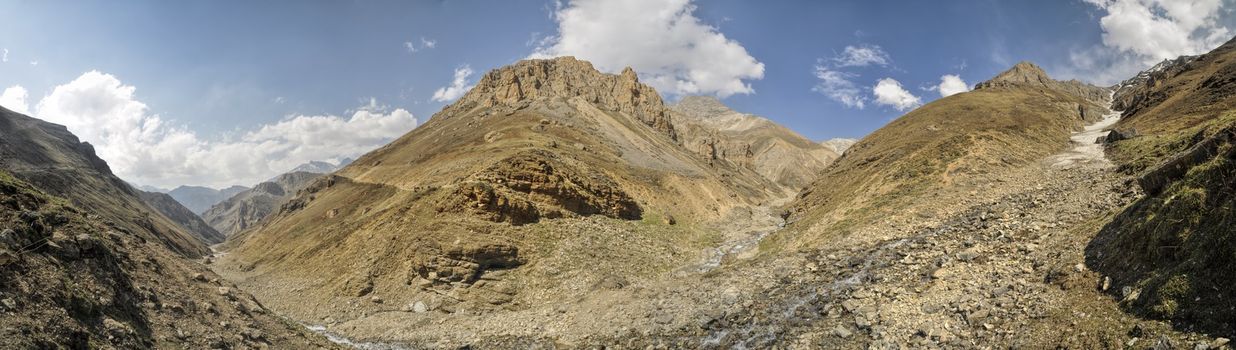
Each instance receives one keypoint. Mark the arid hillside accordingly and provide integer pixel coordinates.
(1014, 119)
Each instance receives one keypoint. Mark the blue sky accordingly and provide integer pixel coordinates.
(286, 77)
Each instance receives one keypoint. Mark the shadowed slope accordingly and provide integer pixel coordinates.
(53, 159)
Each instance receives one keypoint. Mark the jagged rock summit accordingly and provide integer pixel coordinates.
(566, 77)
(1021, 73)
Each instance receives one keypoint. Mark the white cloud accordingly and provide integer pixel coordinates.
(5, 58)
(425, 44)
(861, 56)
(14, 98)
(144, 148)
(889, 92)
(951, 85)
(457, 88)
(838, 87)
(1139, 33)
(34, 63)
(661, 39)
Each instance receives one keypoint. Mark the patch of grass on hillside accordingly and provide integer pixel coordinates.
(1178, 248)
(1140, 153)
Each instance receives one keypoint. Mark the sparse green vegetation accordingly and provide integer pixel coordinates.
(1178, 247)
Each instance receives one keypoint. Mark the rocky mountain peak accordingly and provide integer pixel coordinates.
(527, 81)
(1026, 74)
(1021, 73)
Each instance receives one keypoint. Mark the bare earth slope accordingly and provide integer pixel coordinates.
(182, 216)
(718, 133)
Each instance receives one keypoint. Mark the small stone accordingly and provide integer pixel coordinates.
(1137, 331)
(7, 257)
(977, 316)
(1107, 284)
(861, 322)
(419, 307)
(842, 332)
(225, 291)
(968, 255)
(940, 274)
(375, 299)
(199, 277)
(850, 305)
(1220, 342)
(1080, 267)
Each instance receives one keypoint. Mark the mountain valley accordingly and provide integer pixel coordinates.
(557, 202)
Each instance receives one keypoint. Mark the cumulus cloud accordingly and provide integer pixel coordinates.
(951, 85)
(1139, 33)
(428, 43)
(459, 86)
(838, 87)
(14, 98)
(862, 56)
(661, 39)
(144, 148)
(889, 92)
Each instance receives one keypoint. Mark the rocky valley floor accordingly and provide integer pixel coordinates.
(999, 262)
